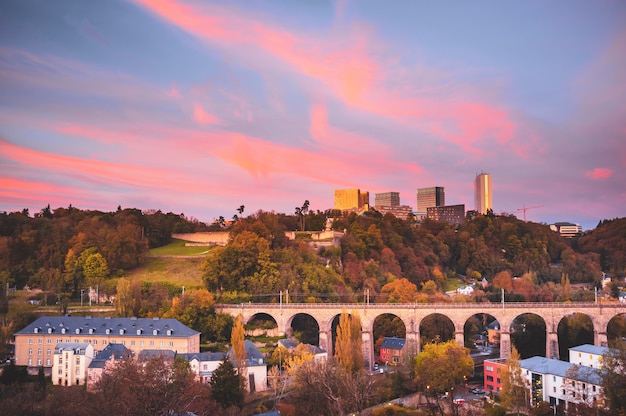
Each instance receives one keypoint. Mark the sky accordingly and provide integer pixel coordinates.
(197, 107)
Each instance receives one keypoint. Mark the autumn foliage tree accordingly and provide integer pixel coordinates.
(348, 351)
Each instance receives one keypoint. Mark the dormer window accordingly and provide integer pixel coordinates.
(169, 332)
(108, 331)
(139, 331)
(50, 330)
(122, 331)
(91, 330)
(155, 332)
(36, 330)
(63, 330)
(77, 330)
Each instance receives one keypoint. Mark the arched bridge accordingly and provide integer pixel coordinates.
(413, 314)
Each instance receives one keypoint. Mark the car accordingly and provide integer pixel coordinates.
(477, 391)
(375, 367)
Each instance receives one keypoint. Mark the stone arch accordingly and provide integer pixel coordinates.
(307, 325)
(527, 332)
(481, 329)
(437, 326)
(333, 323)
(616, 329)
(387, 325)
(574, 329)
(262, 323)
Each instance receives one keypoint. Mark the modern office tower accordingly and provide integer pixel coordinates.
(387, 199)
(351, 199)
(452, 214)
(430, 197)
(483, 193)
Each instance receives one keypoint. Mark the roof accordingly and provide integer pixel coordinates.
(79, 348)
(142, 327)
(564, 369)
(393, 343)
(202, 356)
(113, 351)
(255, 358)
(145, 355)
(591, 349)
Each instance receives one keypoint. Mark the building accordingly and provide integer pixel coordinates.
(203, 364)
(105, 360)
(403, 212)
(452, 214)
(567, 229)
(492, 369)
(562, 383)
(430, 197)
(392, 350)
(255, 367)
(483, 193)
(588, 355)
(293, 347)
(351, 199)
(34, 344)
(70, 363)
(387, 199)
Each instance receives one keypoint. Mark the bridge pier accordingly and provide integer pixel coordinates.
(413, 343)
(505, 344)
(459, 337)
(326, 342)
(367, 348)
(600, 338)
(552, 345)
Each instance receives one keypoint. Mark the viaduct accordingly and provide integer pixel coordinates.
(412, 314)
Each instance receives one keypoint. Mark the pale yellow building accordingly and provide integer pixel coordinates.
(35, 344)
(70, 363)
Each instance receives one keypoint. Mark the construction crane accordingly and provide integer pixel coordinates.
(525, 208)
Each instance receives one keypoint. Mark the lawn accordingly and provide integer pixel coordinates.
(179, 271)
(178, 248)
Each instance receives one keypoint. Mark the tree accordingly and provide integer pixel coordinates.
(227, 386)
(614, 378)
(301, 213)
(514, 393)
(123, 299)
(238, 345)
(348, 351)
(156, 387)
(440, 367)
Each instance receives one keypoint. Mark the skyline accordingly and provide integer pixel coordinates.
(198, 107)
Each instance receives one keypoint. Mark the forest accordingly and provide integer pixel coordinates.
(64, 250)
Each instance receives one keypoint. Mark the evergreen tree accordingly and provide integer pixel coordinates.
(227, 386)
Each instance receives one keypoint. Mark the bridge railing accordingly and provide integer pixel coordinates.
(348, 306)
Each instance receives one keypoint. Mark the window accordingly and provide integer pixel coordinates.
(132, 343)
(123, 342)
(498, 381)
(95, 342)
(554, 389)
(48, 341)
(60, 360)
(141, 343)
(48, 362)
(39, 351)
(161, 343)
(30, 361)
(40, 341)
(30, 340)
(553, 378)
(60, 371)
(489, 368)
(152, 343)
(39, 362)
(77, 371)
(48, 351)
(489, 378)
(593, 389)
(77, 360)
(30, 351)
(204, 367)
(104, 342)
(171, 343)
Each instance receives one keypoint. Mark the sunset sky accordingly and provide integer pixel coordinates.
(198, 107)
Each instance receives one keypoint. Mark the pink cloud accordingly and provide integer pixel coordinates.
(202, 117)
(353, 71)
(599, 174)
